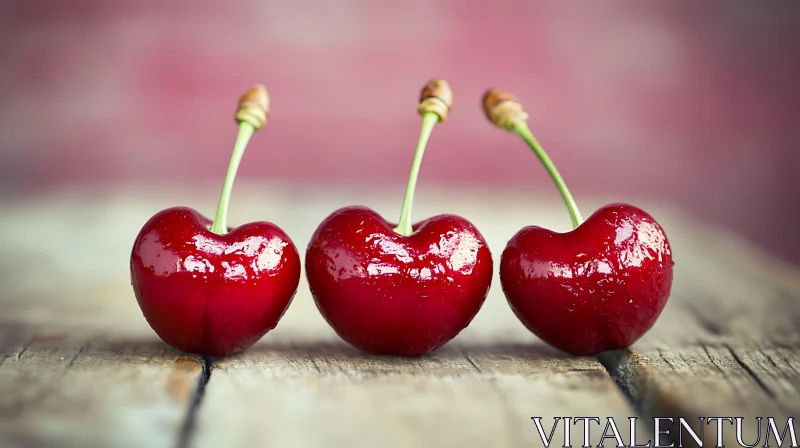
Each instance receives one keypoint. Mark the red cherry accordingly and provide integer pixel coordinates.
(387, 293)
(599, 287)
(207, 293)
(403, 290)
(204, 290)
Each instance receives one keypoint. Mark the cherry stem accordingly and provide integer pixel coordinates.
(246, 131)
(521, 128)
(429, 120)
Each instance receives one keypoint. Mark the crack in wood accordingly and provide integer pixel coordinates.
(713, 361)
(779, 355)
(666, 360)
(314, 363)
(72, 361)
(769, 358)
(776, 397)
(750, 372)
(187, 429)
(683, 358)
(472, 362)
(789, 363)
(628, 380)
(624, 369)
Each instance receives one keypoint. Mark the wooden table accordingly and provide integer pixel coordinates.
(80, 367)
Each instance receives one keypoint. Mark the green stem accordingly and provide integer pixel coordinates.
(246, 131)
(429, 120)
(522, 130)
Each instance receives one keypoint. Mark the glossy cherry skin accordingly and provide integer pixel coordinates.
(212, 294)
(389, 294)
(599, 287)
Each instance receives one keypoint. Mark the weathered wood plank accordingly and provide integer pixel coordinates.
(68, 389)
(727, 343)
(79, 367)
(303, 387)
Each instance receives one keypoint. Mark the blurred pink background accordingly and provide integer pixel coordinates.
(695, 103)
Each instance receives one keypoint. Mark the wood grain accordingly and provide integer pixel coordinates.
(479, 390)
(726, 345)
(78, 389)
